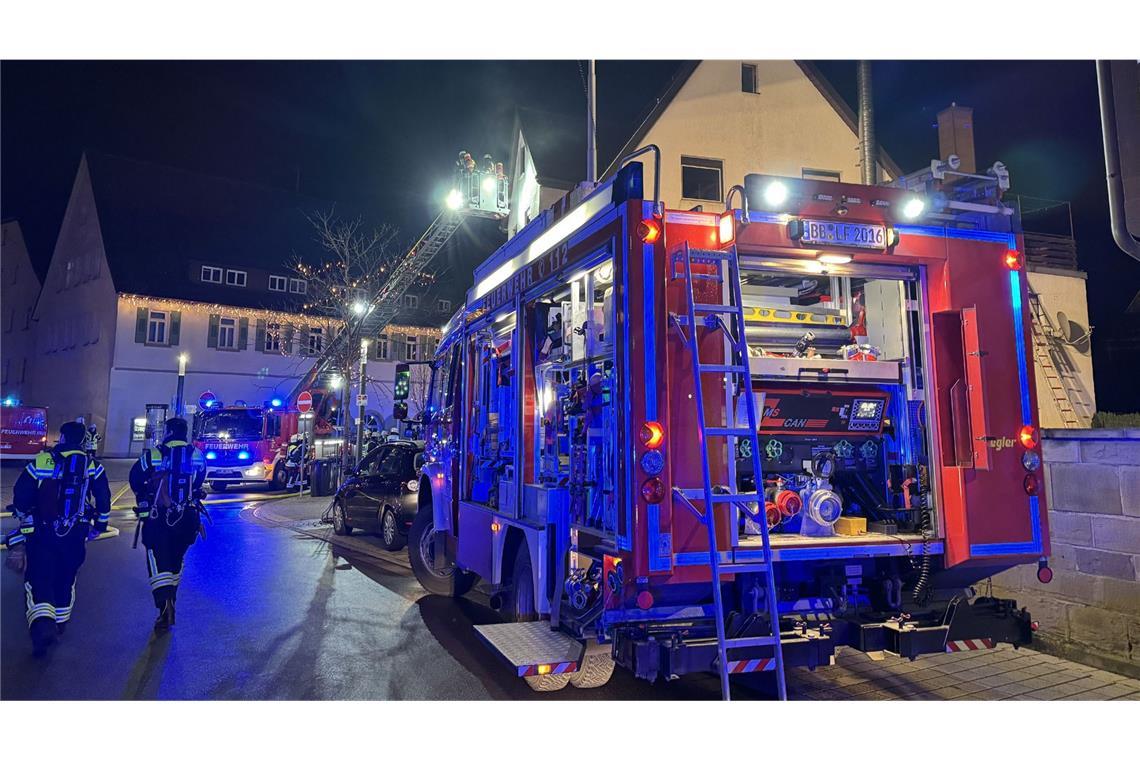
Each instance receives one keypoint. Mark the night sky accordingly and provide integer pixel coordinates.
(384, 135)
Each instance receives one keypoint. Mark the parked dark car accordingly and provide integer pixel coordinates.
(381, 495)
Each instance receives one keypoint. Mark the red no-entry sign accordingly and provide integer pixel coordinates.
(304, 402)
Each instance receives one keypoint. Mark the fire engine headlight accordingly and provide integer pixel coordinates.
(913, 208)
(775, 194)
(1031, 460)
(254, 472)
(454, 200)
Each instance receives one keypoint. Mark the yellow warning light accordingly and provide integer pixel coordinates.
(543, 670)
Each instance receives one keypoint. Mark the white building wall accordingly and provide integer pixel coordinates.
(74, 329)
(148, 374)
(1062, 291)
(19, 289)
(783, 128)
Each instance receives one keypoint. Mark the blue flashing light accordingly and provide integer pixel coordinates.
(243, 455)
(11, 401)
(276, 403)
(211, 455)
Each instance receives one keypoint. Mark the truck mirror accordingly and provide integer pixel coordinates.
(403, 382)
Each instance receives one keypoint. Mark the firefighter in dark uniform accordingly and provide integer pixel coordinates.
(50, 499)
(167, 481)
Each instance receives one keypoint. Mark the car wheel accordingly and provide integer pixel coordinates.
(340, 520)
(390, 531)
(217, 487)
(280, 478)
(421, 554)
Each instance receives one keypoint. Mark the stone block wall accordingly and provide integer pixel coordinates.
(1091, 611)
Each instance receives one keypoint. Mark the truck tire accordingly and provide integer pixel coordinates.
(390, 531)
(548, 682)
(340, 520)
(452, 581)
(597, 669)
(518, 598)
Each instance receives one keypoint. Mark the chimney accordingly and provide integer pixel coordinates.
(956, 135)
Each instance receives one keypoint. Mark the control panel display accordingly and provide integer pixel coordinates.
(866, 415)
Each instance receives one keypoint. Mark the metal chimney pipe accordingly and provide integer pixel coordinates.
(868, 148)
(591, 128)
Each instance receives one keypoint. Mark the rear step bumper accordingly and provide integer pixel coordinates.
(673, 658)
(983, 624)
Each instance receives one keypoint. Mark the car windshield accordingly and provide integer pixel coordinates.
(231, 424)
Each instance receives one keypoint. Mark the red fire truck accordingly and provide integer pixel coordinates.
(23, 431)
(682, 441)
(245, 445)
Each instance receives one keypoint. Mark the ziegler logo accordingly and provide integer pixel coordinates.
(997, 444)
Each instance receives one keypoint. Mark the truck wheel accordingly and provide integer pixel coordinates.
(280, 478)
(518, 598)
(340, 520)
(450, 581)
(390, 531)
(217, 486)
(548, 683)
(597, 668)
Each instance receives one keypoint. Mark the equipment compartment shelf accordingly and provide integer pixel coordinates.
(828, 370)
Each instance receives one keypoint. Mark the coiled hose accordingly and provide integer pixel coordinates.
(922, 585)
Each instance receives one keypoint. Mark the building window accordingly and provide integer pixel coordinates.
(278, 283)
(413, 348)
(411, 301)
(227, 333)
(444, 305)
(156, 332)
(701, 178)
(821, 174)
(212, 274)
(235, 277)
(382, 347)
(297, 286)
(316, 341)
(272, 337)
(748, 81)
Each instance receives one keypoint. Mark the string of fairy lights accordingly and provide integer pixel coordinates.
(269, 315)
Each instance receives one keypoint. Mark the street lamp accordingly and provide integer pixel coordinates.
(358, 308)
(183, 358)
(362, 399)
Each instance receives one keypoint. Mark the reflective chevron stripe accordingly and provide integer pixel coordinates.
(751, 666)
(549, 669)
(967, 645)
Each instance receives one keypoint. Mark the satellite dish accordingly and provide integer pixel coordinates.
(1074, 333)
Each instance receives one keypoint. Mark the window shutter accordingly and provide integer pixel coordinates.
(175, 327)
(287, 339)
(259, 339)
(398, 349)
(141, 316)
(212, 335)
(243, 333)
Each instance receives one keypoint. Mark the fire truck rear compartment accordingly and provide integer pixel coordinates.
(837, 367)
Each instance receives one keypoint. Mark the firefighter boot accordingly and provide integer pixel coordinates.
(165, 619)
(43, 632)
(60, 628)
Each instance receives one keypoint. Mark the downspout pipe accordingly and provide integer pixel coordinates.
(868, 147)
(1120, 233)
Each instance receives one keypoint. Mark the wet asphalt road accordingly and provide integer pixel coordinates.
(269, 609)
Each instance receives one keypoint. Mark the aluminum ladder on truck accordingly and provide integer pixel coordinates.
(735, 371)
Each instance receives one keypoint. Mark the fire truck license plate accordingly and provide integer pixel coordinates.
(843, 233)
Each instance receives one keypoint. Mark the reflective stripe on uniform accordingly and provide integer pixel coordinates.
(63, 614)
(41, 610)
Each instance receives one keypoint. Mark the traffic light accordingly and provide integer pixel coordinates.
(403, 383)
(400, 410)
